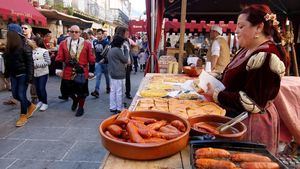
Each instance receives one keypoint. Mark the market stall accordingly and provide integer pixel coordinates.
(151, 96)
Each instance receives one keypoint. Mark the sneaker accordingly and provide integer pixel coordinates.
(108, 90)
(22, 120)
(44, 107)
(74, 105)
(80, 112)
(95, 94)
(31, 109)
(39, 105)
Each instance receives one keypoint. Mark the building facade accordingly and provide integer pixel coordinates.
(106, 14)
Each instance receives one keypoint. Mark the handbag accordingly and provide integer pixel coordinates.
(79, 78)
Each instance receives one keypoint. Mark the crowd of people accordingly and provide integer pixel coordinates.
(79, 56)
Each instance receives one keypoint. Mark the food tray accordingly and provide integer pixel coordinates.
(232, 146)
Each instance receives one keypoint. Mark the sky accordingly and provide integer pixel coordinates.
(138, 7)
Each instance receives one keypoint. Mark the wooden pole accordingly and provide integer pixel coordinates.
(293, 51)
(294, 60)
(182, 32)
(153, 21)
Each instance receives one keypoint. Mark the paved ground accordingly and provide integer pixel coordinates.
(56, 139)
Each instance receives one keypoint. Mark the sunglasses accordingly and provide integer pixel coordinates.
(24, 28)
(74, 31)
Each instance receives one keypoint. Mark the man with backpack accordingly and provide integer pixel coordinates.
(101, 47)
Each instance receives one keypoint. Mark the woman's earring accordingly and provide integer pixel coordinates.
(256, 36)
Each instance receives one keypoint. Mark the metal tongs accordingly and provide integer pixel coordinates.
(232, 122)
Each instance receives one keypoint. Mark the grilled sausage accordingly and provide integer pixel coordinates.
(179, 125)
(144, 119)
(134, 134)
(168, 136)
(145, 132)
(113, 137)
(125, 135)
(259, 165)
(249, 157)
(169, 129)
(155, 140)
(138, 124)
(123, 117)
(114, 130)
(157, 125)
(211, 153)
(206, 163)
(204, 127)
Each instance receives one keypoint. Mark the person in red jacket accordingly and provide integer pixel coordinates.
(77, 55)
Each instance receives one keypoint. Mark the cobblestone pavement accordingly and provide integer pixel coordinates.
(56, 139)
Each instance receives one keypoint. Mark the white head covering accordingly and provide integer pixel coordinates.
(216, 28)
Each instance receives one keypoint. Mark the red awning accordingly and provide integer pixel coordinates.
(23, 10)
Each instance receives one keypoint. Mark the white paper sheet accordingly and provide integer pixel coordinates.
(206, 78)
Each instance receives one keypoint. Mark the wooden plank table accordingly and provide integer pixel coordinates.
(181, 160)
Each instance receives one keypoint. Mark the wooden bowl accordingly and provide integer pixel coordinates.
(192, 71)
(149, 151)
(239, 128)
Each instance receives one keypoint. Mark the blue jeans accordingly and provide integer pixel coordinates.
(99, 69)
(19, 87)
(40, 85)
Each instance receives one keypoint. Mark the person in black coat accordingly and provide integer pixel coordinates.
(19, 68)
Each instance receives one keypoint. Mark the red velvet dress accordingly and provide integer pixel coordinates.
(260, 81)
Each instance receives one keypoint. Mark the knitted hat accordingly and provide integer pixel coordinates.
(216, 28)
(15, 28)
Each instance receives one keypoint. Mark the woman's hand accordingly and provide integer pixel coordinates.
(59, 72)
(210, 91)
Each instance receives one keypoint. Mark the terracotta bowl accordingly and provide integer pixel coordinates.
(192, 71)
(149, 151)
(239, 128)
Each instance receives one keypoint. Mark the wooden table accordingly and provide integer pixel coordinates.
(180, 160)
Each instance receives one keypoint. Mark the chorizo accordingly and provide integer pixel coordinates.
(211, 153)
(144, 119)
(138, 124)
(113, 137)
(169, 129)
(123, 117)
(204, 127)
(168, 136)
(114, 130)
(134, 134)
(125, 135)
(155, 140)
(157, 125)
(144, 132)
(249, 157)
(206, 163)
(179, 125)
(259, 165)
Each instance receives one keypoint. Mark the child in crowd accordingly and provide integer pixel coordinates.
(116, 67)
(143, 56)
(41, 61)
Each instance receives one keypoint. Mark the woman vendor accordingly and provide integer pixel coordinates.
(252, 79)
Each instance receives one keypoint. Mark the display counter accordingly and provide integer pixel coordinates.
(180, 160)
